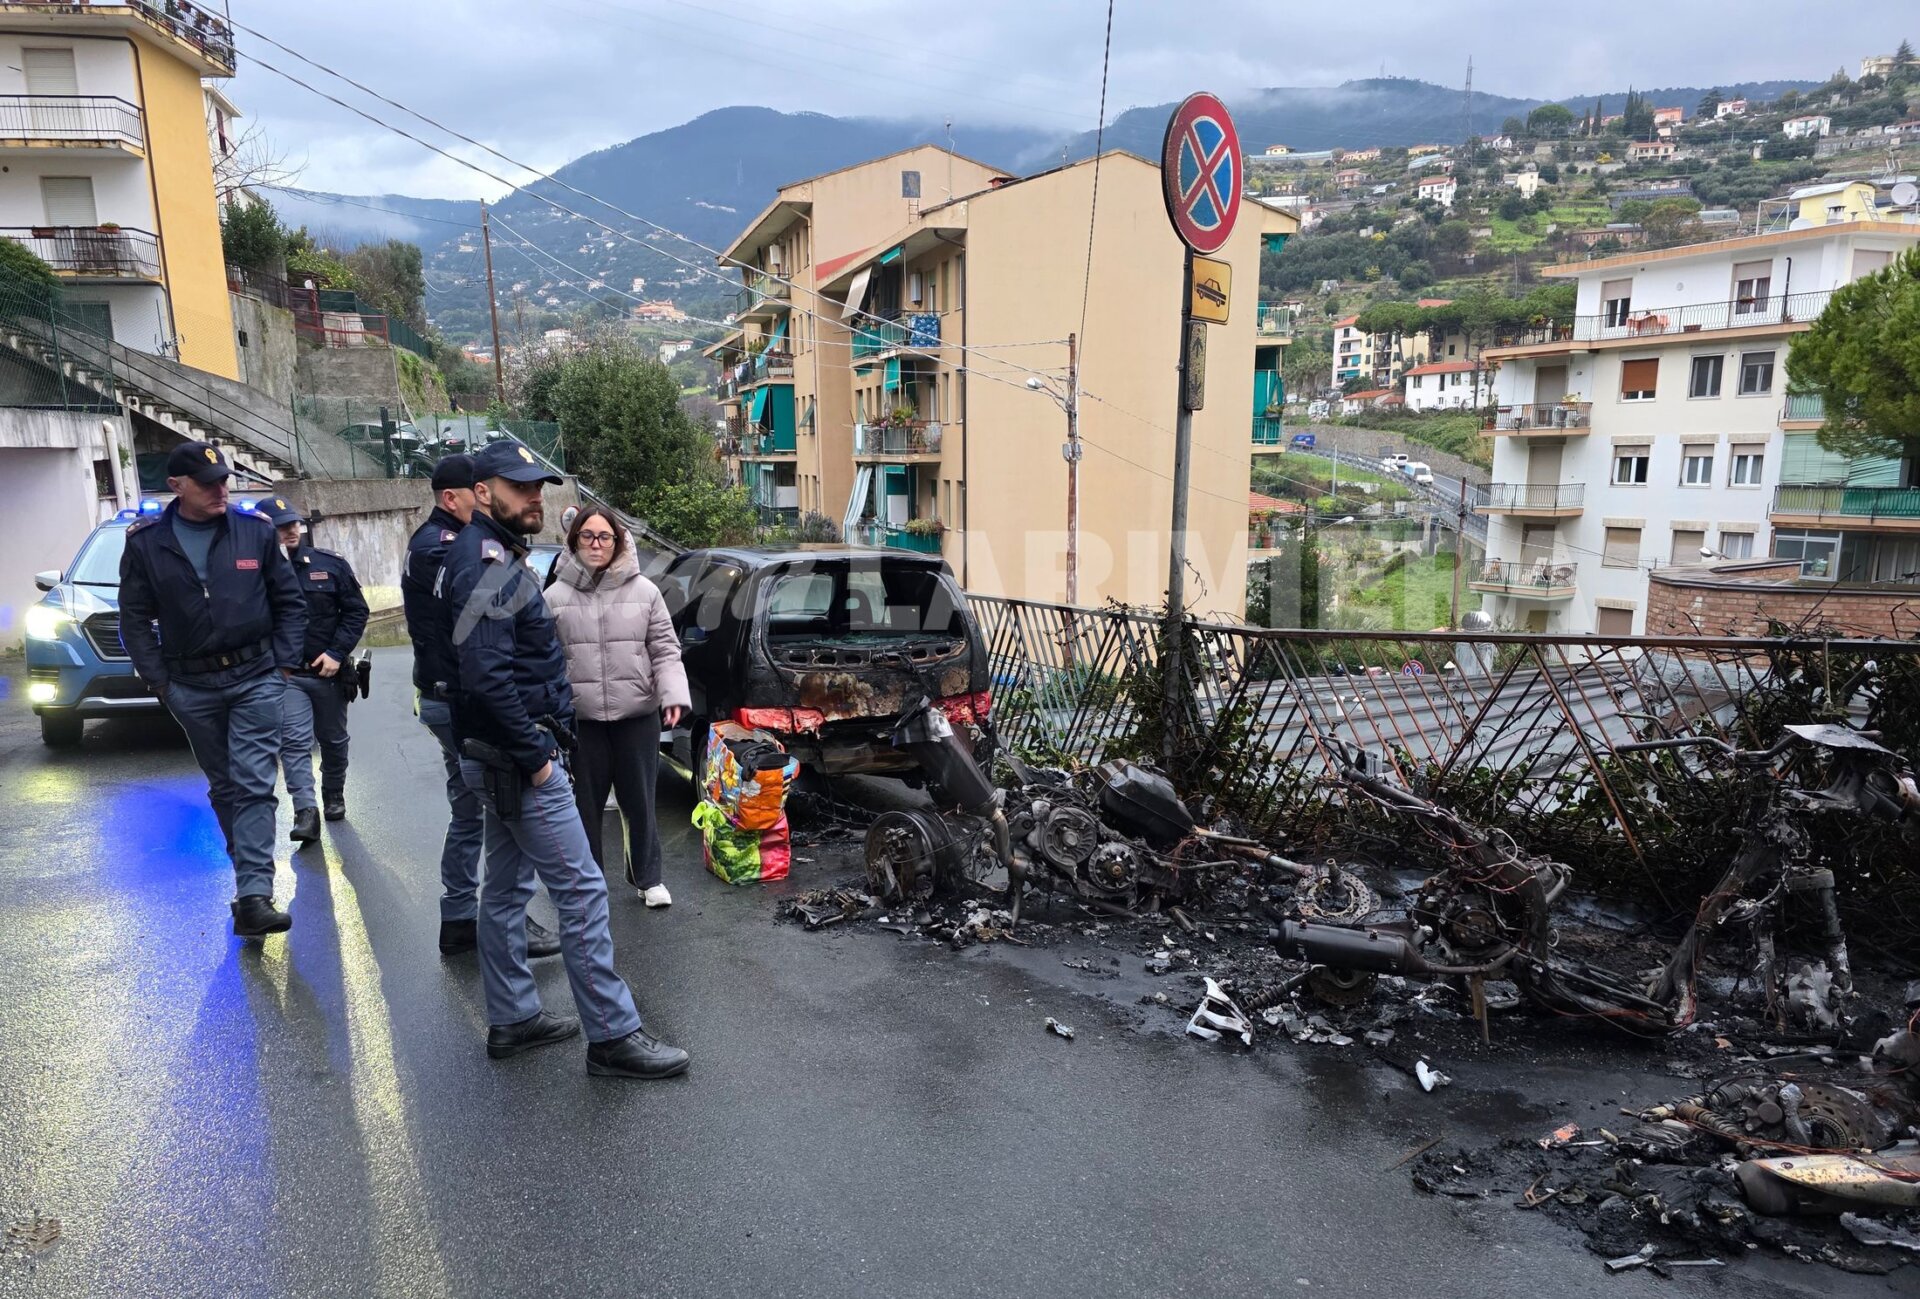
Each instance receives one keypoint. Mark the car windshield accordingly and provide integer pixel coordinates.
(842, 603)
(98, 563)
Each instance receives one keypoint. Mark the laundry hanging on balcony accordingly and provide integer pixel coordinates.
(923, 329)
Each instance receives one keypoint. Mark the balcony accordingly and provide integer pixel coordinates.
(1559, 417)
(1534, 500)
(69, 124)
(1807, 410)
(763, 296)
(892, 538)
(1773, 311)
(770, 366)
(1894, 508)
(874, 337)
(92, 253)
(912, 441)
(1531, 579)
(206, 38)
(1273, 323)
(1268, 433)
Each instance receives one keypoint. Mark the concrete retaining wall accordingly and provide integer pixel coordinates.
(362, 373)
(266, 344)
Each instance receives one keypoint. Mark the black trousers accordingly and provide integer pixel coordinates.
(623, 755)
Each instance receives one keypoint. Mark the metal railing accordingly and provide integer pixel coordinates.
(98, 119)
(873, 335)
(1542, 415)
(1542, 579)
(1268, 431)
(1517, 731)
(1804, 406)
(1735, 313)
(774, 366)
(92, 252)
(1838, 501)
(184, 22)
(885, 535)
(1273, 321)
(1528, 496)
(920, 438)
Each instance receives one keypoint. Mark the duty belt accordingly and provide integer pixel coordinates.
(224, 659)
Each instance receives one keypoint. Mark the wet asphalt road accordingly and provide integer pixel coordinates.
(316, 1116)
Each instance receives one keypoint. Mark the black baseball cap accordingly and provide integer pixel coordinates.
(453, 471)
(510, 459)
(279, 511)
(198, 461)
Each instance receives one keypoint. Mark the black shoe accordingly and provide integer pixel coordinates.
(637, 1055)
(504, 1040)
(336, 805)
(256, 916)
(457, 936)
(306, 825)
(541, 941)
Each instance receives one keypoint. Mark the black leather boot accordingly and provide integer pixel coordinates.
(457, 936)
(256, 916)
(336, 806)
(504, 1040)
(306, 825)
(637, 1055)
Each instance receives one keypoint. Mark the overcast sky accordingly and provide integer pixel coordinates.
(548, 80)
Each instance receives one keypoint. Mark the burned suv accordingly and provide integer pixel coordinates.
(825, 648)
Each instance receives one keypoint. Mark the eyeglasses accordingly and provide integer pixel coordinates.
(596, 538)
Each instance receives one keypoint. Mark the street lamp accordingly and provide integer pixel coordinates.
(1070, 451)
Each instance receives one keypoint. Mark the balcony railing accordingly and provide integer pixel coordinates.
(1542, 416)
(1530, 496)
(91, 252)
(1859, 504)
(186, 22)
(919, 438)
(1267, 432)
(772, 366)
(881, 534)
(1273, 321)
(1538, 579)
(872, 335)
(1736, 313)
(1808, 407)
(104, 119)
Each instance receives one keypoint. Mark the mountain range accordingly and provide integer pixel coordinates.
(698, 183)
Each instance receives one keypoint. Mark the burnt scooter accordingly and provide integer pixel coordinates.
(1489, 913)
(916, 853)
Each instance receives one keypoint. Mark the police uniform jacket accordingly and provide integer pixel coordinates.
(336, 610)
(512, 669)
(249, 611)
(429, 619)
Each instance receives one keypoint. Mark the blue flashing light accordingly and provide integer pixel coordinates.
(151, 507)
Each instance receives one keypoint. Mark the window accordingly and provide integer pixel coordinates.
(1747, 463)
(1696, 469)
(68, 201)
(1630, 467)
(1616, 301)
(1687, 545)
(1622, 548)
(1736, 545)
(1637, 378)
(1816, 551)
(909, 184)
(1866, 261)
(1751, 281)
(1613, 622)
(1705, 380)
(1756, 373)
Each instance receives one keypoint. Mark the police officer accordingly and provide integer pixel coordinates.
(513, 719)
(231, 623)
(436, 676)
(316, 702)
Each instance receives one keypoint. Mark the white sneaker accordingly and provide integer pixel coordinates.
(657, 896)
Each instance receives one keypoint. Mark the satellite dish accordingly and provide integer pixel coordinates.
(1800, 223)
(1905, 194)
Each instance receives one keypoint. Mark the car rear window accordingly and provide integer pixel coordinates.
(850, 603)
(98, 563)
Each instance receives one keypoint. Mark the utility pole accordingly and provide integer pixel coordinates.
(493, 308)
(1072, 453)
(1459, 554)
(1173, 681)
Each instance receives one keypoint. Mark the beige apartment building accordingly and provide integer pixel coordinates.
(937, 369)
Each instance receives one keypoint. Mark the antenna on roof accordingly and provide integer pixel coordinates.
(1468, 116)
(949, 159)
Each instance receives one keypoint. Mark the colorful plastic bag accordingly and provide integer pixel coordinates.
(742, 856)
(748, 775)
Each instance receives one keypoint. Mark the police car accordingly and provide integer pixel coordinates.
(76, 666)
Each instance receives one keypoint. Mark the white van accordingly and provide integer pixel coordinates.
(1419, 472)
(1394, 464)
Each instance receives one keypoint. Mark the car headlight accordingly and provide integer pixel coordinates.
(44, 622)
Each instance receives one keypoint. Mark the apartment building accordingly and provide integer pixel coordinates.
(1385, 359)
(1657, 431)
(786, 373)
(932, 395)
(108, 173)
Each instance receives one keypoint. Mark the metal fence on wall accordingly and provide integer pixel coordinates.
(349, 437)
(1521, 728)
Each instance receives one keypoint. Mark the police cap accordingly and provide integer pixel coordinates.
(510, 459)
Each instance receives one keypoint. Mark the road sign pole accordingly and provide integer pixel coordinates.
(1173, 677)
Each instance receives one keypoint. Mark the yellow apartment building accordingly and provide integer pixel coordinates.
(108, 175)
(941, 359)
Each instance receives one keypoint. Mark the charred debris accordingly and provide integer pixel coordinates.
(1804, 1134)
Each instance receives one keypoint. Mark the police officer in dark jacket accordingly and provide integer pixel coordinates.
(436, 677)
(316, 702)
(231, 624)
(514, 718)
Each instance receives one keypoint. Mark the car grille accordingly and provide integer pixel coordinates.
(103, 633)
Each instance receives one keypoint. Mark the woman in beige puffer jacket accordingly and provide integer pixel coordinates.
(623, 659)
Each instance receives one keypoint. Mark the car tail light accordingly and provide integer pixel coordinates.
(963, 709)
(790, 720)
